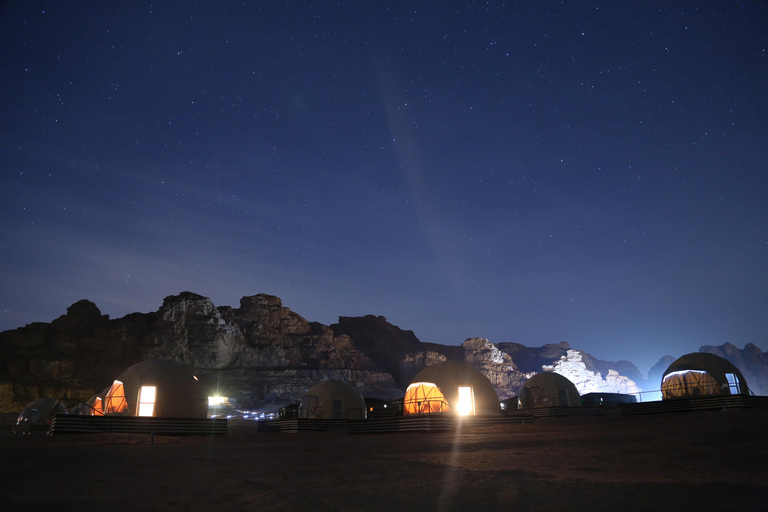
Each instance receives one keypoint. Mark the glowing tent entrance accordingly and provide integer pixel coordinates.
(427, 398)
(147, 401)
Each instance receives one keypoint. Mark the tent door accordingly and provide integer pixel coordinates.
(338, 409)
(466, 406)
(147, 401)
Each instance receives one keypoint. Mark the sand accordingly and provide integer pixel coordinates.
(684, 461)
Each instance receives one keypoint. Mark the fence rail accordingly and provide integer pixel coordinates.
(75, 424)
(694, 404)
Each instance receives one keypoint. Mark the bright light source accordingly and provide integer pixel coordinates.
(216, 400)
(466, 401)
(147, 401)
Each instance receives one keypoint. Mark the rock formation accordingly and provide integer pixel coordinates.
(263, 354)
(573, 367)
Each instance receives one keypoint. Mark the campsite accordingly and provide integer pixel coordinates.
(705, 460)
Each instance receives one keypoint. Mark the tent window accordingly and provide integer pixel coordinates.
(466, 404)
(147, 401)
(733, 384)
(424, 398)
(689, 383)
(97, 409)
(115, 399)
(563, 396)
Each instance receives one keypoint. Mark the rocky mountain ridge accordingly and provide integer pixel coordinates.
(263, 354)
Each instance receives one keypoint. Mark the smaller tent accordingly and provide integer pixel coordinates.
(40, 411)
(548, 389)
(451, 387)
(156, 387)
(332, 399)
(702, 374)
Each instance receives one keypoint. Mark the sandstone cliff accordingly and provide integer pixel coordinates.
(573, 366)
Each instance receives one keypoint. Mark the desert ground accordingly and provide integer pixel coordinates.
(713, 460)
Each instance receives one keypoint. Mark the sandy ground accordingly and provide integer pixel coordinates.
(685, 461)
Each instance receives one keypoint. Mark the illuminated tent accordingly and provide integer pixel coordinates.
(451, 387)
(702, 374)
(40, 411)
(548, 389)
(332, 399)
(95, 404)
(156, 387)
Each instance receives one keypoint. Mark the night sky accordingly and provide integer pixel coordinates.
(529, 172)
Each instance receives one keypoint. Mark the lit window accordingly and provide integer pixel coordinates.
(147, 401)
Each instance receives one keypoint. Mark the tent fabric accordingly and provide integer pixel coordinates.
(40, 411)
(548, 389)
(115, 400)
(333, 399)
(447, 377)
(178, 392)
(701, 374)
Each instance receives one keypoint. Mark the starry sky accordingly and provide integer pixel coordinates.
(529, 172)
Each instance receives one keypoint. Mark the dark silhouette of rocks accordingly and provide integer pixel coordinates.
(262, 353)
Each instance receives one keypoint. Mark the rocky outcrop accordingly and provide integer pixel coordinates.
(392, 349)
(245, 352)
(531, 359)
(498, 366)
(573, 367)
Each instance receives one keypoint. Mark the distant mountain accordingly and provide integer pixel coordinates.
(265, 355)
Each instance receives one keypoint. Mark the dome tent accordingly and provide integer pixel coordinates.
(702, 374)
(548, 389)
(159, 388)
(40, 411)
(451, 387)
(332, 399)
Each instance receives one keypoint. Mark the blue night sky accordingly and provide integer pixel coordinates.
(529, 172)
